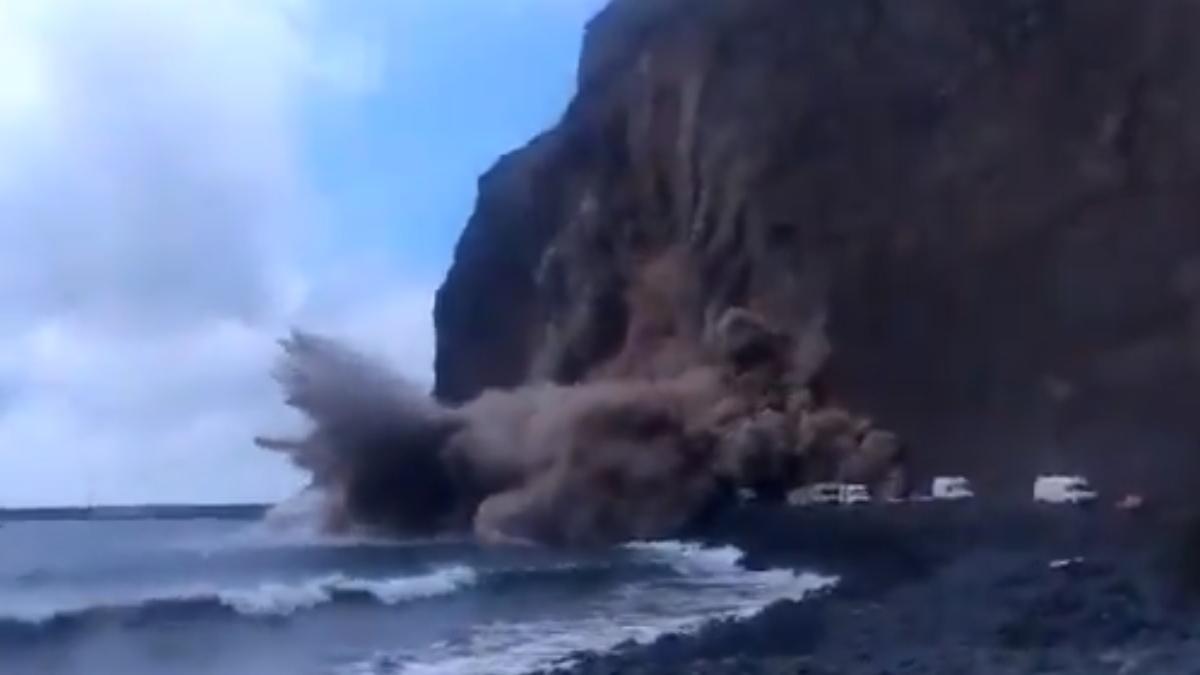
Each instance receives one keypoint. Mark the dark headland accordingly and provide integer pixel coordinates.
(973, 223)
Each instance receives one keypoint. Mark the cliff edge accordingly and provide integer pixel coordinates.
(976, 220)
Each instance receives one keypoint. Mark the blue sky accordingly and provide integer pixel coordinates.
(181, 182)
(465, 84)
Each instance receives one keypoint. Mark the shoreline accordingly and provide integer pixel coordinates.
(946, 588)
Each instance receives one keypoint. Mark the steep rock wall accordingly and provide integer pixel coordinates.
(986, 211)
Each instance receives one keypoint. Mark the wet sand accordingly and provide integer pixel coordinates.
(950, 588)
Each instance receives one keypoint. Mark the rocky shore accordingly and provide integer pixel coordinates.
(933, 588)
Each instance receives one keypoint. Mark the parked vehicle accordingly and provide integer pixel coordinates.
(951, 488)
(853, 493)
(1063, 490)
(830, 493)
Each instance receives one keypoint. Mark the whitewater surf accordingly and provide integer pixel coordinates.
(190, 597)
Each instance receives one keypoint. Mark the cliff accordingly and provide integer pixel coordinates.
(976, 220)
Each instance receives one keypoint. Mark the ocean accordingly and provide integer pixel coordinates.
(185, 597)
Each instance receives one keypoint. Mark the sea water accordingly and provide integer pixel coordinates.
(157, 597)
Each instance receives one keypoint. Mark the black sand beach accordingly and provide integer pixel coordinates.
(946, 588)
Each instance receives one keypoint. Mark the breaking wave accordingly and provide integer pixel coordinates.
(536, 608)
(709, 584)
(270, 599)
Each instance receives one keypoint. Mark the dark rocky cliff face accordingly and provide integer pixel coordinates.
(989, 210)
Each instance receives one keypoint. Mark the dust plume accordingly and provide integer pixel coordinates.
(586, 464)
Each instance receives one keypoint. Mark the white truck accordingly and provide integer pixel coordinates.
(846, 494)
(951, 488)
(1063, 490)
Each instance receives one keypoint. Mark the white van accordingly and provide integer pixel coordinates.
(1063, 490)
(952, 488)
(830, 493)
(855, 493)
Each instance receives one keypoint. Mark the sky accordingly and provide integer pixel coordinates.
(183, 181)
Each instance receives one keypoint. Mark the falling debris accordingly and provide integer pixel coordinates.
(593, 463)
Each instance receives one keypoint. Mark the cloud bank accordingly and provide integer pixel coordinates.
(158, 232)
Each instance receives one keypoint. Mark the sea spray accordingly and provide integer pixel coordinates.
(588, 464)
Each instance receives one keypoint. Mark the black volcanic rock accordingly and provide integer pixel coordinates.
(988, 209)
(940, 589)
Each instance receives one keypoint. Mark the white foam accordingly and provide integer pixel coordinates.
(708, 585)
(395, 591)
(262, 600)
(692, 558)
(276, 599)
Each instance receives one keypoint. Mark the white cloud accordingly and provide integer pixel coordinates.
(160, 139)
(155, 221)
